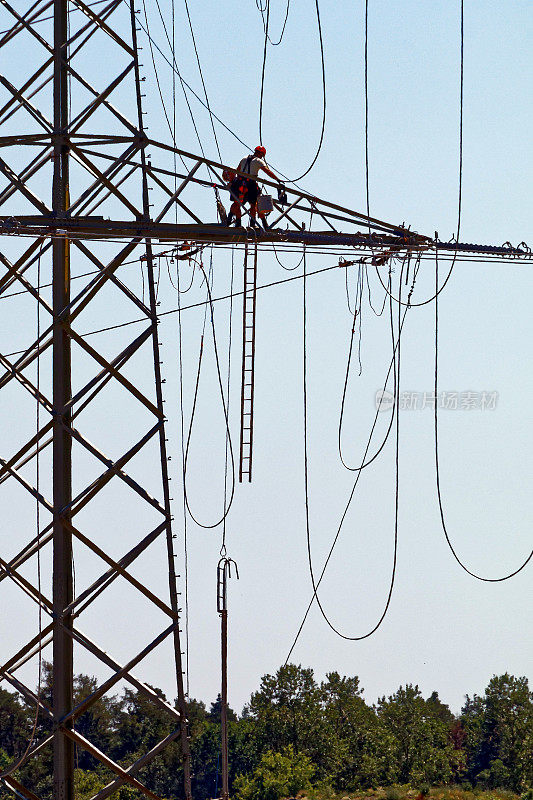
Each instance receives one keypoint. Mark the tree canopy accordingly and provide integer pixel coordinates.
(294, 733)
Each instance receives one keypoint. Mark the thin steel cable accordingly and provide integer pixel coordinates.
(392, 366)
(229, 503)
(324, 93)
(173, 65)
(377, 313)
(339, 529)
(180, 372)
(262, 9)
(293, 269)
(173, 52)
(287, 269)
(360, 317)
(199, 304)
(158, 84)
(174, 68)
(202, 78)
(263, 69)
(438, 290)
(182, 441)
(366, 115)
(223, 551)
(202, 303)
(437, 463)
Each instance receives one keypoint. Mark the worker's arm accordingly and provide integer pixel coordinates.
(271, 174)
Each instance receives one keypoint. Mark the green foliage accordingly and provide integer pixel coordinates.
(297, 734)
(499, 734)
(277, 775)
(88, 783)
(419, 746)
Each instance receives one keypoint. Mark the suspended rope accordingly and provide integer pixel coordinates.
(396, 394)
(437, 465)
(377, 313)
(323, 66)
(366, 116)
(223, 551)
(296, 266)
(392, 366)
(175, 70)
(228, 504)
(262, 9)
(202, 78)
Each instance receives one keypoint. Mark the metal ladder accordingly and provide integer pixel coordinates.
(248, 362)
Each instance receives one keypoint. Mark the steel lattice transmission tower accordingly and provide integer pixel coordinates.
(46, 153)
(75, 178)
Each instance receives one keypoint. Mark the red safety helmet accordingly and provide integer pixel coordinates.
(260, 150)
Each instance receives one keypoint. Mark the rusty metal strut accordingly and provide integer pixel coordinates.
(223, 573)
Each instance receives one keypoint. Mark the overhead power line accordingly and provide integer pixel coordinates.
(437, 461)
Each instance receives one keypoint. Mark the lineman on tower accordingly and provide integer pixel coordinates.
(246, 190)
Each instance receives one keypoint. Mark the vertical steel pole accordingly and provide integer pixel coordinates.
(224, 703)
(62, 445)
(182, 705)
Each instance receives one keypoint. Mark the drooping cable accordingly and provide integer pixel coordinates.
(408, 303)
(437, 462)
(296, 266)
(360, 317)
(263, 69)
(282, 265)
(352, 311)
(262, 10)
(228, 503)
(377, 313)
(392, 365)
(438, 289)
(175, 70)
(396, 395)
(202, 78)
(324, 99)
(173, 52)
(223, 551)
(182, 442)
(174, 66)
(366, 116)
(180, 373)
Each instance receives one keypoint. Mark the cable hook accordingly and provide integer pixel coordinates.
(223, 573)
